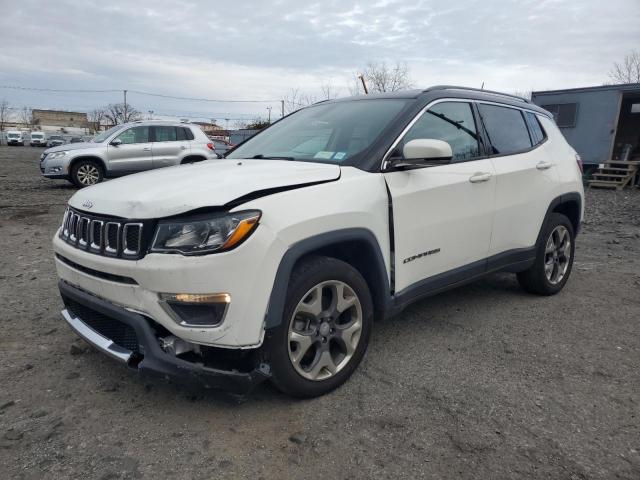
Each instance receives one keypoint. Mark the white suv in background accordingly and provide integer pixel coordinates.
(127, 148)
(273, 262)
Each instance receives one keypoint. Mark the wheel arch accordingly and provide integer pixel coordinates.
(356, 246)
(568, 204)
(99, 160)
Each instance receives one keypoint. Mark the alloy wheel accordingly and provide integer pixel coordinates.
(88, 174)
(557, 254)
(325, 330)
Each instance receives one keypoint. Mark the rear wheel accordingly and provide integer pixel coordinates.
(325, 329)
(86, 172)
(554, 258)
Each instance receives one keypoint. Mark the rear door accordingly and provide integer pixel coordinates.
(525, 176)
(133, 154)
(442, 215)
(170, 145)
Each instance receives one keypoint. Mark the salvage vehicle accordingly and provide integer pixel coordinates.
(272, 263)
(37, 139)
(15, 137)
(128, 148)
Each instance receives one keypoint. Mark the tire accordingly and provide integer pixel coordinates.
(85, 173)
(192, 159)
(334, 339)
(550, 271)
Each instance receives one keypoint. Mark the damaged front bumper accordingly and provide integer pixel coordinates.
(130, 339)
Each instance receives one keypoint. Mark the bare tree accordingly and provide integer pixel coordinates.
(4, 116)
(96, 117)
(382, 78)
(25, 117)
(329, 91)
(117, 113)
(627, 71)
(295, 100)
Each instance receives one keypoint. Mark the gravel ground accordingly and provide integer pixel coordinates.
(481, 382)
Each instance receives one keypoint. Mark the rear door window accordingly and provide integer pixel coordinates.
(506, 129)
(184, 133)
(165, 134)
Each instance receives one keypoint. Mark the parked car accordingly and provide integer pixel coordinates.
(273, 262)
(221, 146)
(128, 148)
(15, 137)
(37, 139)
(55, 141)
(76, 140)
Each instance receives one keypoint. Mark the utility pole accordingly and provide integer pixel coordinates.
(282, 107)
(364, 85)
(125, 119)
(269, 108)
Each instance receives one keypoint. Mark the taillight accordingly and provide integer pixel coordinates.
(211, 146)
(580, 165)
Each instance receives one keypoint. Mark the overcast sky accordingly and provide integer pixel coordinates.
(252, 49)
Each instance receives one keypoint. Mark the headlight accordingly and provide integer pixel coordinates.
(200, 235)
(56, 155)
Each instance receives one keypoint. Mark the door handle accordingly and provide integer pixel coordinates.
(544, 165)
(146, 149)
(480, 177)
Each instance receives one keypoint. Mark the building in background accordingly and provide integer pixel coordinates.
(601, 123)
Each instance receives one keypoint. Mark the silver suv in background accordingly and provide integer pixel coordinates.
(128, 148)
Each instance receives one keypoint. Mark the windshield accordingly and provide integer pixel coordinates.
(327, 133)
(13, 135)
(101, 137)
(37, 135)
(55, 137)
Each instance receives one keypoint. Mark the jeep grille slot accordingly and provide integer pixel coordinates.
(105, 236)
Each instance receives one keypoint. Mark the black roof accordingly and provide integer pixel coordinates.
(452, 91)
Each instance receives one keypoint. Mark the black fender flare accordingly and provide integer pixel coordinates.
(559, 200)
(379, 284)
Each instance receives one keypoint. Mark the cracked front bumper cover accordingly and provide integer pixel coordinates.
(149, 359)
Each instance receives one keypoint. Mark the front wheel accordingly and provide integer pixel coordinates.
(325, 329)
(86, 172)
(554, 258)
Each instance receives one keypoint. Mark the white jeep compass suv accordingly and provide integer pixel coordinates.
(273, 262)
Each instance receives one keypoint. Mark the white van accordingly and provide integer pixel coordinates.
(14, 137)
(38, 139)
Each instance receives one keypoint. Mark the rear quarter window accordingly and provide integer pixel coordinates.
(538, 134)
(506, 129)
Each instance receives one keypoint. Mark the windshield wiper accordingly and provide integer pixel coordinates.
(260, 156)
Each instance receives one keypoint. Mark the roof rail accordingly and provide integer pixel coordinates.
(479, 90)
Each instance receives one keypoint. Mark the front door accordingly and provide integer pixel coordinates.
(133, 154)
(169, 145)
(442, 215)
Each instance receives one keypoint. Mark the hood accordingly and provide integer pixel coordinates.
(71, 146)
(212, 183)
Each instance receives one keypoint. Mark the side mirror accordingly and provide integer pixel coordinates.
(116, 141)
(424, 152)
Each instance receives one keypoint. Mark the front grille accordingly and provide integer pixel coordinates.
(118, 332)
(108, 236)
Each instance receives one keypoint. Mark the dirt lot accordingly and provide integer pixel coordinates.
(481, 382)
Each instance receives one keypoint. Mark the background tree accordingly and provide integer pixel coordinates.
(4, 116)
(257, 124)
(25, 117)
(295, 100)
(382, 78)
(117, 113)
(627, 71)
(96, 117)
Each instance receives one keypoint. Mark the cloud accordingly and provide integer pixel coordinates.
(259, 50)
